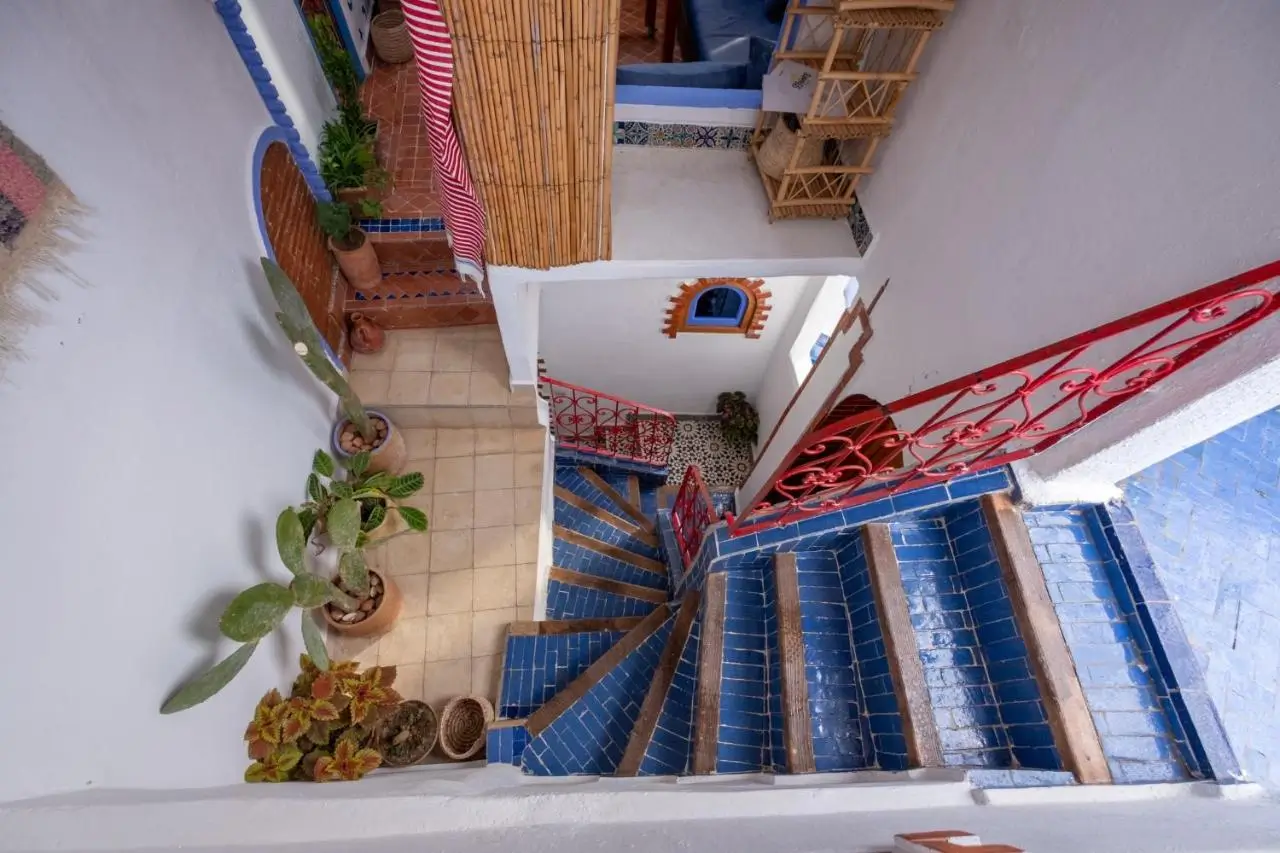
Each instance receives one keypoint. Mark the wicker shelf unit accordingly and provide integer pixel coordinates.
(865, 54)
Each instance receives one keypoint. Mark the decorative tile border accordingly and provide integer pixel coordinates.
(1185, 697)
(229, 10)
(657, 135)
(397, 226)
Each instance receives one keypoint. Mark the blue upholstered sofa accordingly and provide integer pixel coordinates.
(735, 40)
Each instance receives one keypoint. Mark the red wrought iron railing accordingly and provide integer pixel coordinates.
(595, 422)
(691, 514)
(1006, 412)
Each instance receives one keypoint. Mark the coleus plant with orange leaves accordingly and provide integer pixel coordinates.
(321, 732)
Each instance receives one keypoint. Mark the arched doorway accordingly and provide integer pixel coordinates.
(287, 218)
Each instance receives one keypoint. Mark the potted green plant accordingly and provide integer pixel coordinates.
(348, 162)
(324, 731)
(348, 242)
(358, 429)
(739, 422)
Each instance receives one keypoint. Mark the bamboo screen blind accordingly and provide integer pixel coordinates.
(534, 94)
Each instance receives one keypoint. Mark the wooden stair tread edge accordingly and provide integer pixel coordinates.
(548, 627)
(906, 669)
(636, 513)
(640, 561)
(797, 728)
(656, 696)
(633, 490)
(643, 593)
(596, 511)
(1074, 730)
(706, 732)
(551, 710)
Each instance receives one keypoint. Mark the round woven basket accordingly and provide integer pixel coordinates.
(391, 36)
(408, 735)
(775, 153)
(462, 726)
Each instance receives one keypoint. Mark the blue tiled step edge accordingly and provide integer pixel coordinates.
(538, 666)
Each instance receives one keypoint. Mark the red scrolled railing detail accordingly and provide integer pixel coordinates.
(595, 422)
(1007, 412)
(691, 514)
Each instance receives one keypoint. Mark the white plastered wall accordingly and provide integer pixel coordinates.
(1061, 165)
(159, 422)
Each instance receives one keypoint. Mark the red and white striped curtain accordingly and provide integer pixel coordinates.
(463, 214)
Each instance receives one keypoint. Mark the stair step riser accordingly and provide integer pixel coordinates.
(633, 511)
(612, 552)
(571, 600)
(631, 530)
(607, 585)
(528, 682)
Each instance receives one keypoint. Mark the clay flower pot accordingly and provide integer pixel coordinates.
(376, 620)
(388, 452)
(366, 336)
(408, 735)
(359, 264)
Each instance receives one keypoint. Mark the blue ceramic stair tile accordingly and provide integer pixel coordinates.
(744, 715)
(536, 667)
(569, 477)
(670, 747)
(592, 733)
(505, 745)
(569, 516)
(570, 601)
(830, 674)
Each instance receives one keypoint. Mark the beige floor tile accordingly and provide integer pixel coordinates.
(445, 679)
(453, 354)
(455, 474)
(494, 441)
(449, 389)
(448, 636)
(420, 442)
(408, 681)
(455, 442)
(414, 418)
(487, 332)
(524, 614)
(495, 471)
(362, 650)
(530, 440)
(488, 390)
(495, 508)
(450, 592)
(452, 511)
(527, 543)
(524, 396)
(495, 546)
(416, 354)
(454, 417)
(406, 555)
(490, 417)
(528, 469)
(414, 590)
(489, 357)
(383, 360)
(405, 642)
(451, 550)
(485, 672)
(523, 416)
(489, 630)
(493, 588)
(422, 500)
(409, 389)
(370, 386)
(526, 584)
(528, 505)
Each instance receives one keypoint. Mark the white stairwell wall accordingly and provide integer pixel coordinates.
(160, 420)
(1058, 166)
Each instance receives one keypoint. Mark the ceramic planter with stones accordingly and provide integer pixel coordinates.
(387, 451)
(408, 735)
(377, 613)
(360, 265)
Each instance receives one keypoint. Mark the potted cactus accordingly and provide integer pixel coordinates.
(358, 430)
(324, 730)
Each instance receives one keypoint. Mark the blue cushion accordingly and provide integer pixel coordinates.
(698, 75)
(723, 29)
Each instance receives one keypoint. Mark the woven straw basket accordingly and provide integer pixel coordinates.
(775, 152)
(462, 726)
(391, 36)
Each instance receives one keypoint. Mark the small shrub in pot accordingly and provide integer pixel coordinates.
(350, 245)
(739, 422)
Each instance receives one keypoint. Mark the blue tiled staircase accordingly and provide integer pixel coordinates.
(799, 649)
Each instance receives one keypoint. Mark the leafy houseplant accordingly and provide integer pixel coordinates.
(739, 422)
(349, 244)
(358, 430)
(322, 730)
(334, 61)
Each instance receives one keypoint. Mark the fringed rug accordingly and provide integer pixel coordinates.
(37, 227)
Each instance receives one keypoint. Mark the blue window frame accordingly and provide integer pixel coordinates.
(718, 306)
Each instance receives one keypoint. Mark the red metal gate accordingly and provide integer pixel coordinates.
(1006, 412)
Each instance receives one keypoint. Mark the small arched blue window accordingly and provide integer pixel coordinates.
(718, 306)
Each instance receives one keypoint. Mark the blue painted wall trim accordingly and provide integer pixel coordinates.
(680, 96)
(1177, 669)
(344, 32)
(229, 10)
